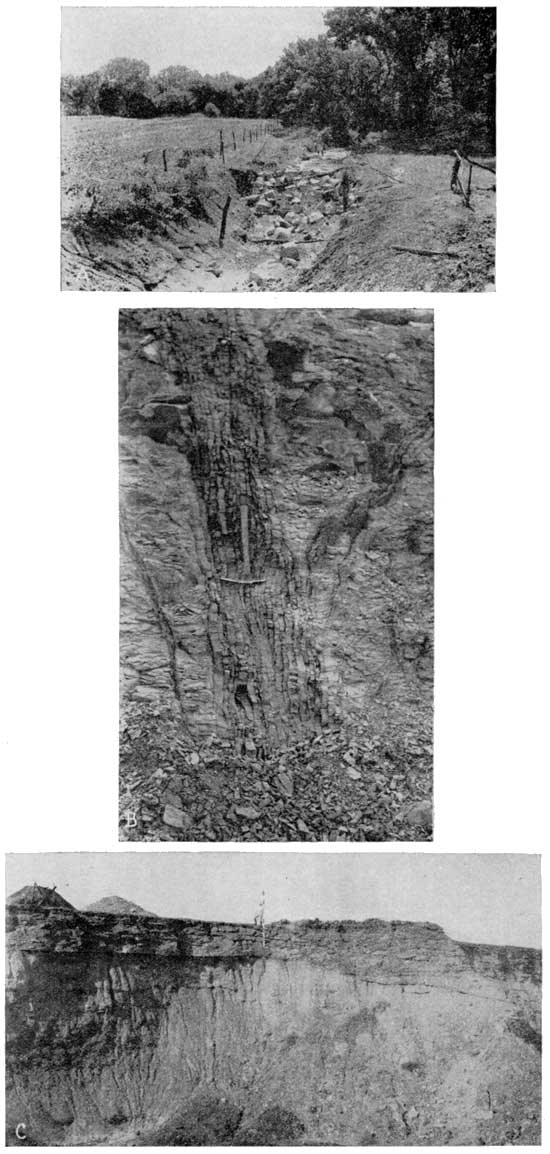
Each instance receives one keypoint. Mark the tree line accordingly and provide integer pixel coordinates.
(418, 74)
(125, 87)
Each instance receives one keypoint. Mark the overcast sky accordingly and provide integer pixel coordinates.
(242, 41)
(475, 897)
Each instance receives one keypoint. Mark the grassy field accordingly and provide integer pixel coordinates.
(116, 173)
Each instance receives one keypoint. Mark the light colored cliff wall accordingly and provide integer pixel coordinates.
(382, 1033)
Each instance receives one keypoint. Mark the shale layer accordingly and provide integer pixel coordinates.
(139, 1030)
(276, 524)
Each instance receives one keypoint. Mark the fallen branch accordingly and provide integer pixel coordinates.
(386, 174)
(242, 581)
(477, 163)
(295, 240)
(426, 251)
(372, 187)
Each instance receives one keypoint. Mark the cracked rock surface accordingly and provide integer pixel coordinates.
(276, 599)
(127, 1029)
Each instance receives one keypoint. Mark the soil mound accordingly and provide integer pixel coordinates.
(116, 905)
(37, 897)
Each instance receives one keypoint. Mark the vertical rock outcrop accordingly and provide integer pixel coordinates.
(276, 521)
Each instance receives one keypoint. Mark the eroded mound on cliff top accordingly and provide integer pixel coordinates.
(124, 1029)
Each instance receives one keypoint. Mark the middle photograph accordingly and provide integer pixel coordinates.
(276, 537)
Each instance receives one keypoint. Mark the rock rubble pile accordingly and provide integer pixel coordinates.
(299, 206)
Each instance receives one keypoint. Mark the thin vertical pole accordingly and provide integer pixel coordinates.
(469, 188)
(224, 221)
(244, 540)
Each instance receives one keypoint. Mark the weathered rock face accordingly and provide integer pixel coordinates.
(276, 511)
(132, 1030)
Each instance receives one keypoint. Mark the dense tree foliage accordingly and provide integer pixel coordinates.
(422, 75)
(316, 82)
(441, 65)
(124, 87)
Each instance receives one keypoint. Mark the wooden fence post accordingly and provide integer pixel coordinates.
(164, 161)
(456, 181)
(345, 189)
(234, 141)
(454, 174)
(469, 188)
(224, 221)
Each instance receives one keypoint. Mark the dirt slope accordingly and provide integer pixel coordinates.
(404, 202)
(276, 518)
(135, 1031)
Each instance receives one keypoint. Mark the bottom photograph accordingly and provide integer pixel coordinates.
(273, 998)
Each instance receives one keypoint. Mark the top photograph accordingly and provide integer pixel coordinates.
(278, 149)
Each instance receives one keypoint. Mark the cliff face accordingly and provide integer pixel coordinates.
(276, 524)
(127, 1030)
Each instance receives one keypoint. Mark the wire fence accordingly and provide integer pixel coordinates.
(462, 176)
(229, 144)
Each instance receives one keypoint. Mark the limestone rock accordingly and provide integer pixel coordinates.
(283, 233)
(174, 817)
(291, 250)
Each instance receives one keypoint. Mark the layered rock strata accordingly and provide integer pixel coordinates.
(276, 520)
(137, 1030)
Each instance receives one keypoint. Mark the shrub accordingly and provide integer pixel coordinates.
(111, 100)
(113, 207)
(140, 107)
(211, 109)
(203, 1122)
(274, 1127)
